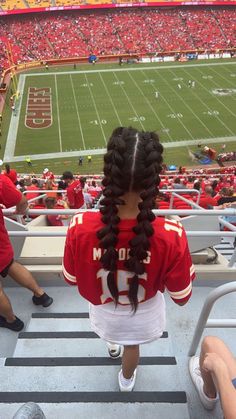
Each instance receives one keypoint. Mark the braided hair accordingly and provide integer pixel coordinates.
(132, 163)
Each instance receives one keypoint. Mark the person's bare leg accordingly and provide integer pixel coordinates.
(216, 345)
(6, 308)
(130, 360)
(23, 277)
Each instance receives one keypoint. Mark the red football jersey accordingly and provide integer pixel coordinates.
(9, 196)
(168, 264)
(75, 194)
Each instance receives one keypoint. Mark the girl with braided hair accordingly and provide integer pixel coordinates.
(123, 258)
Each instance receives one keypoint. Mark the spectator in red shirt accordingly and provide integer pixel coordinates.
(33, 187)
(10, 196)
(75, 196)
(47, 174)
(207, 201)
(10, 173)
(52, 219)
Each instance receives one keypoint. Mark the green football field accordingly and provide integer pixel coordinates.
(186, 104)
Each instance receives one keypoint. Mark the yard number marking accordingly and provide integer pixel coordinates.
(175, 115)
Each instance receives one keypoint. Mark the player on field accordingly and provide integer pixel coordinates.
(123, 258)
(10, 196)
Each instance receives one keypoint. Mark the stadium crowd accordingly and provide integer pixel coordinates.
(136, 31)
(75, 191)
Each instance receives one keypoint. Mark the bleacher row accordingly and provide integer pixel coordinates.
(139, 31)
(223, 188)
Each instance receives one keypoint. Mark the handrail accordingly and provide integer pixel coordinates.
(203, 321)
(184, 190)
(182, 198)
(160, 212)
(28, 233)
(43, 191)
(189, 233)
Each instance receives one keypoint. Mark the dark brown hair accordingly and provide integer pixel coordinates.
(132, 163)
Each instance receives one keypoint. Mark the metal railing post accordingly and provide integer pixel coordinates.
(206, 309)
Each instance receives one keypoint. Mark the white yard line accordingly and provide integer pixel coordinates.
(108, 94)
(168, 104)
(130, 103)
(96, 109)
(101, 151)
(77, 111)
(190, 109)
(215, 96)
(58, 115)
(207, 107)
(149, 104)
(13, 127)
(230, 81)
(107, 70)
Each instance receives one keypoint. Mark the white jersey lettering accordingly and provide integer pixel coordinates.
(77, 219)
(122, 278)
(174, 226)
(123, 254)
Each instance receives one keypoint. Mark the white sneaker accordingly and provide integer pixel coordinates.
(114, 350)
(126, 384)
(196, 376)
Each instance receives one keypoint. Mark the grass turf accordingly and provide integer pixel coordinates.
(86, 106)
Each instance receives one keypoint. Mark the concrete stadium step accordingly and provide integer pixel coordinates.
(150, 378)
(73, 344)
(62, 365)
(40, 341)
(102, 410)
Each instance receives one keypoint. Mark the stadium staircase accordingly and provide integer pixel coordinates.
(62, 365)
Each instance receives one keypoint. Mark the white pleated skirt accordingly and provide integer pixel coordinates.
(119, 325)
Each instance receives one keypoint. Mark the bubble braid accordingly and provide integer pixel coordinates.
(132, 163)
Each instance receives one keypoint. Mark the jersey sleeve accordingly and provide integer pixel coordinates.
(181, 272)
(70, 197)
(10, 195)
(68, 266)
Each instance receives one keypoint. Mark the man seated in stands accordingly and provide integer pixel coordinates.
(10, 196)
(206, 200)
(75, 198)
(47, 174)
(52, 219)
(215, 373)
(50, 186)
(56, 219)
(226, 195)
(33, 188)
(178, 184)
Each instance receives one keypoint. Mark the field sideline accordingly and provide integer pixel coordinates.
(83, 106)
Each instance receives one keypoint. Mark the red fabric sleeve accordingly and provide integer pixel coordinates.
(181, 273)
(70, 197)
(10, 195)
